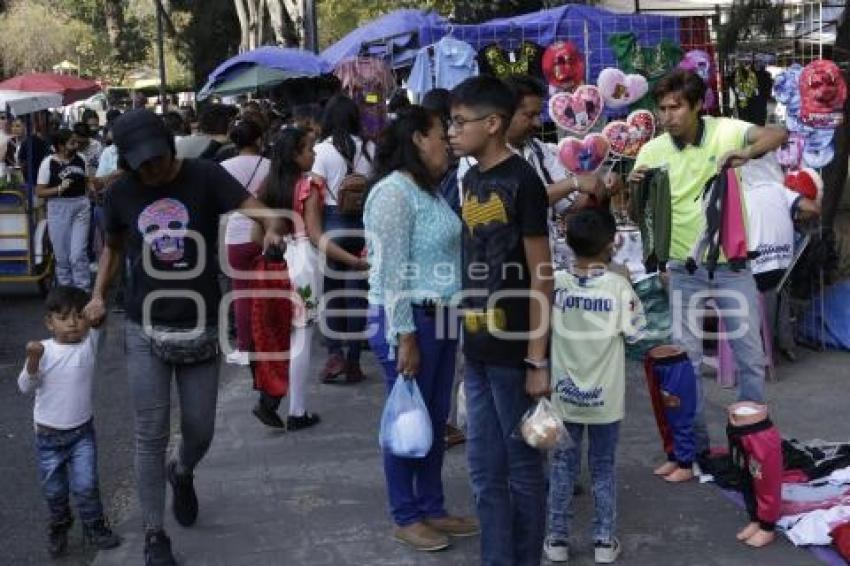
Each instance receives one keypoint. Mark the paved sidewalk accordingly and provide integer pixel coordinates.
(316, 497)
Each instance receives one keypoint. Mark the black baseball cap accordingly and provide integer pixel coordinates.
(140, 136)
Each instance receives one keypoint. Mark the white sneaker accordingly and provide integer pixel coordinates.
(238, 358)
(556, 550)
(607, 553)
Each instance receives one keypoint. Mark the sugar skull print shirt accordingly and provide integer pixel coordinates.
(499, 208)
(171, 235)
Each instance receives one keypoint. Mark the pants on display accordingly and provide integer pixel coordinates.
(672, 386)
(756, 450)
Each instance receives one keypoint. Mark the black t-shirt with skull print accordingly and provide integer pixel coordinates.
(165, 227)
(500, 207)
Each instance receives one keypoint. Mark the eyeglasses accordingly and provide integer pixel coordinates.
(459, 122)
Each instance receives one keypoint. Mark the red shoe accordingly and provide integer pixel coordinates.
(353, 373)
(334, 368)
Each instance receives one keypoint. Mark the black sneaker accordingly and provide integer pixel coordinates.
(57, 537)
(185, 504)
(304, 421)
(158, 549)
(267, 416)
(100, 535)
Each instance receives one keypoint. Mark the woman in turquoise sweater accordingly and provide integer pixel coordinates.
(413, 240)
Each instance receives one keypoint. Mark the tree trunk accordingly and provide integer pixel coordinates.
(113, 11)
(244, 25)
(835, 175)
(254, 29)
(276, 10)
(293, 20)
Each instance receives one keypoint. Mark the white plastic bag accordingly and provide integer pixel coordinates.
(302, 261)
(406, 429)
(541, 428)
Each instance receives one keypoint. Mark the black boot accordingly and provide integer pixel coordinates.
(185, 504)
(57, 536)
(266, 411)
(158, 549)
(97, 533)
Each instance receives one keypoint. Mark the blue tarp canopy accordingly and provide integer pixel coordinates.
(400, 29)
(585, 26)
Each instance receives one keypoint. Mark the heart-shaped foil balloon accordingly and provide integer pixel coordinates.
(576, 111)
(627, 137)
(583, 156)
(620, 90)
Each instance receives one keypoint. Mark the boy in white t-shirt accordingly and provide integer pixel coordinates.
(594, 310)
(60, 370)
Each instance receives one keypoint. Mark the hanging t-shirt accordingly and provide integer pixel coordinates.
(592, 318)
(770, 205)
(651, 62)
(526, 60)
(750, 104)
(445, 64)
(500, 207)
(54, 171)
(161, 218)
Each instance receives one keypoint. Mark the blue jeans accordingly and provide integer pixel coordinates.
(353, 286)
(67, 461)
(566, 467)
(415, 485)
(506, 473)
(68, 227)
(738, 308)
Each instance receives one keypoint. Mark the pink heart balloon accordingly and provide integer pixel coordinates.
(629, 136)
(576, 111)
(619, 89)
(582, 156)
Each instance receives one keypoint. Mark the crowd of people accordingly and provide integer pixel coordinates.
(434, 242)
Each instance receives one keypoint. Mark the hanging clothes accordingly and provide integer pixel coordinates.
(651, 62)
(650, 207)
(369, 82)
(527, 60)
(445, 64)
(725, 225)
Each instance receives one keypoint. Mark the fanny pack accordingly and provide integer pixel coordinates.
(179, 346)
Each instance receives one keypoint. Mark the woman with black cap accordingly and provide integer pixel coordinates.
(165, 214)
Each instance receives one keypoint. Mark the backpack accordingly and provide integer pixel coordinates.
(351, 193)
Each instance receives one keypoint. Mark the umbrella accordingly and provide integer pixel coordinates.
(296, 63)
(245, 78)
(71, 88)
(22, 102)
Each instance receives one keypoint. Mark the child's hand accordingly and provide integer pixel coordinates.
(34, 350)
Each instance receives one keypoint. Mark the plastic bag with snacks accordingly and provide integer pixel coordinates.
(542, 429)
